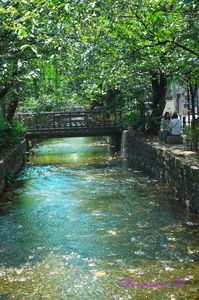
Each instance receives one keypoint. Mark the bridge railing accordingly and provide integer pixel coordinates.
(71, 120)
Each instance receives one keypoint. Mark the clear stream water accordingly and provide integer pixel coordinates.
(78, 224)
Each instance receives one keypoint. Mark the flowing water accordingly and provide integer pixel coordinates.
(78, 224)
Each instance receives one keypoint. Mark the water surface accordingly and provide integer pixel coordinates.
(78, 224)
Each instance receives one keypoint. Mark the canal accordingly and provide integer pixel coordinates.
(78, 224)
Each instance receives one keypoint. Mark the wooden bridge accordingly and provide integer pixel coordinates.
(72, 123)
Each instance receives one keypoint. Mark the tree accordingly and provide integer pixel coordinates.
(30, 31)
(94, 47)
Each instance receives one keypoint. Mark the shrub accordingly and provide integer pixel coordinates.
(9, 178)
(4, 130)
(192, 136)
(11, 133)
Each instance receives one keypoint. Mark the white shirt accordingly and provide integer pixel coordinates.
(176, 126)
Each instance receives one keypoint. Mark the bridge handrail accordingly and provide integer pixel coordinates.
(58, 120)
(76, 110)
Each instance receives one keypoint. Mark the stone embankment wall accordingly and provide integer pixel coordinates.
(171, 164)
(10, 163)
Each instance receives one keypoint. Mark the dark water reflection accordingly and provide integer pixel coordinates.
(77, 221)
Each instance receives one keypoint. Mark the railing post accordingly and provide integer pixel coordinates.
(53, 120)
(70, 121)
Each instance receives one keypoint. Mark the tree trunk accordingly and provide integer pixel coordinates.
(3, 92)
(15, 100)
(193, 90)
(12, 107)
(159, 85)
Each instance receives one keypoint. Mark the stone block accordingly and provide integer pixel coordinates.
(174, 139)
(163, 136)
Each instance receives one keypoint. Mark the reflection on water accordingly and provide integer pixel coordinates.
(83, 151)
(77, 223)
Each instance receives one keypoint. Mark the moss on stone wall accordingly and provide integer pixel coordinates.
(11, 160)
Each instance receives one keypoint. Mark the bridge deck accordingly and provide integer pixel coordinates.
(72, 123)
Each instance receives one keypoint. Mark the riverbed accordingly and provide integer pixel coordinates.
(79, 224)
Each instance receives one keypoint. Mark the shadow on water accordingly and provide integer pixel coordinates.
(76, 215)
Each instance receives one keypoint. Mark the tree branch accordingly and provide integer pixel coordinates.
(186, 48)
(166, 41)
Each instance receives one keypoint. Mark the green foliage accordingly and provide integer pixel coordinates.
(9, 177)
(4, 130)
(133, 120)
(47, 103)
(192, 136)
(11, 133)
(57, 54)
(17, 132)
(4, 124)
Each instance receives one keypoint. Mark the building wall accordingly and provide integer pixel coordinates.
(177, 100)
